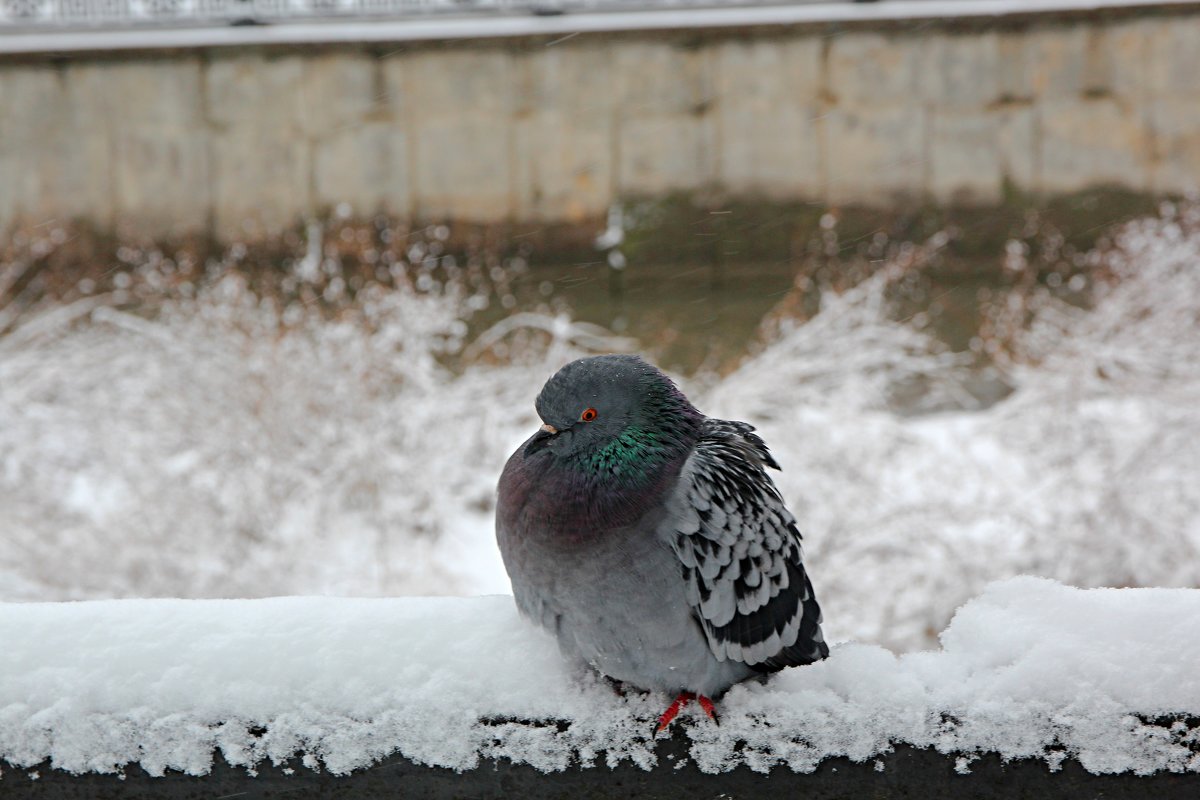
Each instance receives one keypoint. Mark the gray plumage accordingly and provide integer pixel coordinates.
(650, 539)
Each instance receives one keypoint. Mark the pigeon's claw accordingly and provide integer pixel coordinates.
(673, 710)
(680, 703)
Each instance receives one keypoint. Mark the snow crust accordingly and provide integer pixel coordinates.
(1029, 669)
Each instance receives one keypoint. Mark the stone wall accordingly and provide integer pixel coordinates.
(243, 142)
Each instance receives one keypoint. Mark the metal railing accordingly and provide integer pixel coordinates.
(25, 14)
(135, 13)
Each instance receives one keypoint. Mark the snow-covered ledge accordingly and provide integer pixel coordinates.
(1030, 669)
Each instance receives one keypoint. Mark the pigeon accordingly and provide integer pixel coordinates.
(649, 539)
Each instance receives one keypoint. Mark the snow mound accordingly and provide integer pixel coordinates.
(1031, 668)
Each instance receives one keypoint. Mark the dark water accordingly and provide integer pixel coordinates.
(694, 318)
(699, 283)
(688, 317)
(705, 318)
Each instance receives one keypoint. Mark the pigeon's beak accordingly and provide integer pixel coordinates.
(540, 439)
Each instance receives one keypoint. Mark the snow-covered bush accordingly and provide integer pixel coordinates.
(233, 443)
(1088, 472)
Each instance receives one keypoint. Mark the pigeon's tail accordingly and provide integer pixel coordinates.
(810, 643)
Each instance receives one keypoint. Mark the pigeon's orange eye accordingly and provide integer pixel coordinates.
(588, 414)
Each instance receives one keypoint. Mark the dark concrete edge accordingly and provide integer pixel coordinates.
(904, 772)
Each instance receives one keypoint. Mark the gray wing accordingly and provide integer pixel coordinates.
(739, 551)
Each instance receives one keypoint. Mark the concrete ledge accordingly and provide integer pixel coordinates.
(506, 25)
(905, 773)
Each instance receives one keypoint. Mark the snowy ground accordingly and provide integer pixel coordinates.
(1030, 669)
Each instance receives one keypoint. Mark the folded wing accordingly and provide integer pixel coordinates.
(739, 552)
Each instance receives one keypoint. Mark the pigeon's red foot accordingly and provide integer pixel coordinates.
(680, 703)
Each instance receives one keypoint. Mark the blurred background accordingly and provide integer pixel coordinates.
(280, 279)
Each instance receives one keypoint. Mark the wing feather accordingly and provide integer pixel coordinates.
(739, 552)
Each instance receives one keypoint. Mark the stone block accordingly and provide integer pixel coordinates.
(35, 128)
(873, 152)
(1014, 67)
(260, 183)
(364, 166)
(1132, 42)
(762, 74)
(663, 153)
(10, 193)
(776, 154)
(1017, 144)
(256, 93)
(962, 71)
(453, 81)
(1069, 62)
(75, 172)
(573, 79)
(867, 68)
(162, 91)
(662, 78)
(566, 114)
(1176, 126)
(33, 99)
(1092, 142)
(769, 138)
(460, 105)
(564, 167)
(110, 139)
(63, 156)
(461, 167)
(23, 194)
(161, 178)
(1056, 60)
(964, 157)
(973, 153)
(1173, 56)
(1156, 55)
(340, 90)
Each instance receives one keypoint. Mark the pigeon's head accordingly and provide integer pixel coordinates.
(612, 410)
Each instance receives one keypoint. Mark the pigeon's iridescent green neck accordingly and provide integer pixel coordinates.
(632, 455)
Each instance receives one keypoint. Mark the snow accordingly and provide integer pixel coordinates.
(226, 446)
(506, 25)
(196, 454)
(1029, 669)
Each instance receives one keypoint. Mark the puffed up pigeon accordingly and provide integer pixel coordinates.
(649, 539)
